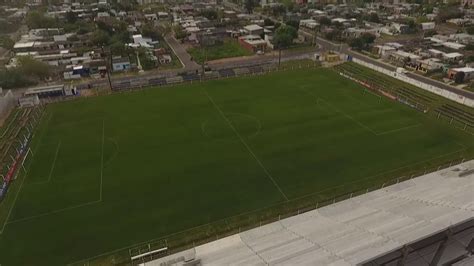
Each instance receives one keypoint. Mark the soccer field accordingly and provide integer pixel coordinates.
(113, 171)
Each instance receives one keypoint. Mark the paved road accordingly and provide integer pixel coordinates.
(269, 58)
(182, 54)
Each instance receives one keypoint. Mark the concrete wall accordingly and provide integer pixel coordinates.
(441, 92)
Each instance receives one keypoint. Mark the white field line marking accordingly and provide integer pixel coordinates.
(102, 159)
(13, 205)
(54, 161)
(52, 168)
(340, 111)
(74, 206)
(23, 181)
(53, 212)
(358, 122)
(240, 214)
(246, 145)
(398, 129)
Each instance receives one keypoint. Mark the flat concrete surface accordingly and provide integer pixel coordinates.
(353, 231)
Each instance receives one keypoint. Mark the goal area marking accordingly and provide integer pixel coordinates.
(7, 221)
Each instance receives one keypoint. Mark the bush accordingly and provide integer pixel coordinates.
(15, 78)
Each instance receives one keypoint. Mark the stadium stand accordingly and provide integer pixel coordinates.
(428, 219)
(463, 118)
(224, 73)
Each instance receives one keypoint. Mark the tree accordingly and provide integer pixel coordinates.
(179, 33)
(71, 17)
(210, 14)
(356, 44)
(362, 42)
(430, 33)
(449, 13)
(6, 42)
(293, 23)
(459, 77)
(36, 20)
(268, 22)
(249, 5)
(118, 48)
(31, 66)
(374, 17)
(149, 30)
(469, 59)
(100, 38)
(411, 25)
(469, 47)
(283, 38)
(324, 21)
(368, 38)
(15, 78)
(470, 30)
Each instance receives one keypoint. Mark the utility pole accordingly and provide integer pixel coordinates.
(109, 67)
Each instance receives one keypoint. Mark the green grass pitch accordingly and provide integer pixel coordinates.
(112, 171)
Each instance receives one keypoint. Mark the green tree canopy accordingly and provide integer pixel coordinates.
(37, 20)
(6, 42)
(31, 66)
(249, 5)
(284, 36)
(100, 38)
(362, 42)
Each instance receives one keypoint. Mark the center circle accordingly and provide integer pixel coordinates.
(219, 127)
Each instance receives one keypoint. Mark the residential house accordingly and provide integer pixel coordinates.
(253, 43)
(468, 72)
(253, 30)
(120, 64)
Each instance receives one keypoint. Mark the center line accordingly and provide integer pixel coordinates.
(246, 145)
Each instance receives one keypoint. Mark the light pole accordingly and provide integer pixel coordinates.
(109, 68)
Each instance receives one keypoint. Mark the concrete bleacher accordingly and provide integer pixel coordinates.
(360, 229)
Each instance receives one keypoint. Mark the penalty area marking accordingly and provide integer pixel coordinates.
(319, 99)
(52, 168)
(24, 178)
(66, 208)
(53, 212)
